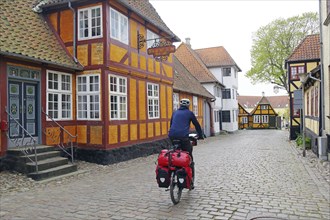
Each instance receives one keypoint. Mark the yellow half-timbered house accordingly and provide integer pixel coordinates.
(263, 115)
(304, 58)
(85, 69)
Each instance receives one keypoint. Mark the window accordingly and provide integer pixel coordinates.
(226, 71)
(217, 91)
(308, 106)
(263, 107)
(90, 23)
(296, 111)
(316, 94)
(195, 105)
(312, 102)
(88, 97)
(225, 116)
(264, 119)
(176, 102)
(226, 94)
(153, 100)
(59, 95)
(256, 119)
(118, 97)
(216, 116)
(295, 71)
(151, 35)
(118, 26)
(244, 120)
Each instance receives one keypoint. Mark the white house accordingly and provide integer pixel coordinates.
(225, 69)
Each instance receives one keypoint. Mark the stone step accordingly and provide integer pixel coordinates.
(47, 164)
(17, 151)
(41, 156)
(52, 172)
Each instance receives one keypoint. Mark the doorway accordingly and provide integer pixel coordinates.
(23, 99)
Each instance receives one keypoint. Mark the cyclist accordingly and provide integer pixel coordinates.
(180, 125)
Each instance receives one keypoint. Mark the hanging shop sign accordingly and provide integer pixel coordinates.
(160, 50)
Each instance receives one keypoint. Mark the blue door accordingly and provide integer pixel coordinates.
(23, 99)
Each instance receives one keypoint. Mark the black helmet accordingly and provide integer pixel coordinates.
(184, 102)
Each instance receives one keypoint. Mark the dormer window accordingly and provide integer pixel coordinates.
(90, 23)
(118, 26)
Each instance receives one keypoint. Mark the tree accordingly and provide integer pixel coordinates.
(274, 43)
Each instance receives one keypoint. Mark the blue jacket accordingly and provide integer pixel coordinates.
(180, 123)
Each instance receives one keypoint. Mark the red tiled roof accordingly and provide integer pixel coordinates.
(252, 101)
(142, 7)
(308, 49)
(26, 35)
(186, 82)
(190, 59)
(216, 56)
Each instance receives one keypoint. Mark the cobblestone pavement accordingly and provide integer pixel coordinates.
(249, 174)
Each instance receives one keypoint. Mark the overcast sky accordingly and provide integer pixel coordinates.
(231, 24)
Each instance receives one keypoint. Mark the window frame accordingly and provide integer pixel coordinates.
(176, 101)
(226, 72)
(89, 20)
(119, 95)
(118, 25)
(152, 35)
(264, 119)
(294, 75)
(226, 93)
(153, 107)
(88, 94)
(59, 91)
(226, 117)
(195, 105)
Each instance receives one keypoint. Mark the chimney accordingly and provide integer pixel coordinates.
(188, 41)
(263, 94)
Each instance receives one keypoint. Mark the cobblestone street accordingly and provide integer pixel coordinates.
(249, 174)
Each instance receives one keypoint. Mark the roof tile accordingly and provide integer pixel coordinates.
(308, 49)
(25, 33)
(186, 82)
(216, 56)
(190, 59)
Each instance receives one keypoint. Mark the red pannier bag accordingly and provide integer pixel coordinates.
(163, 158)
(184, 176)
(163, 176)
(181, 159)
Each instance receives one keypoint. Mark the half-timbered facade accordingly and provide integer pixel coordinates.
(263, 115)
(304, 58)
(243, 117)
(87, 68)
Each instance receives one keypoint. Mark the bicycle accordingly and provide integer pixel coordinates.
(174, 169)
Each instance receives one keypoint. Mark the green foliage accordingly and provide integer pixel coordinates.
(299, 141)
(274, 43)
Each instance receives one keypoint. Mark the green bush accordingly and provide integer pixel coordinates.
(299, 141)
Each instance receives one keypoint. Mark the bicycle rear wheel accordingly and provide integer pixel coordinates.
(175, 190)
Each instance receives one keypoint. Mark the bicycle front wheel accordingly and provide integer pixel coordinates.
(175, 190)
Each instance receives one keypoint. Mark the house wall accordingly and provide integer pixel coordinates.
(200, 99)
(258, 111)
(215, 106)
(230, 82)
(326, 61)
(104, 56)
(295, 84)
